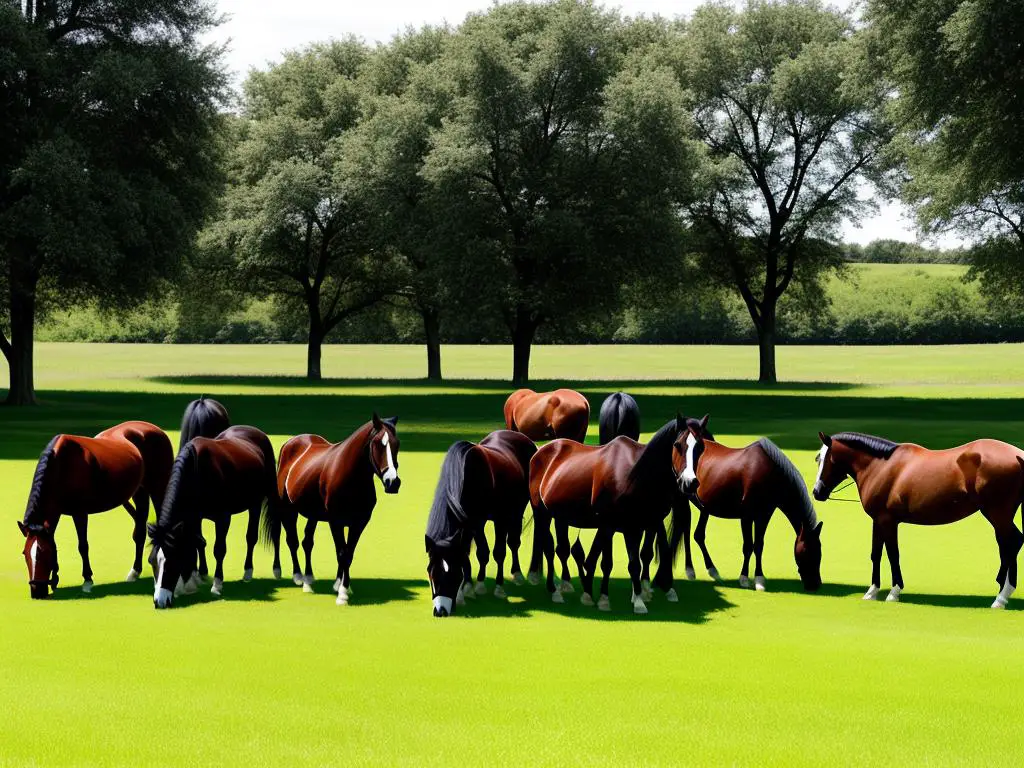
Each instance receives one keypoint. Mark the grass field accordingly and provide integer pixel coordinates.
(271, 676)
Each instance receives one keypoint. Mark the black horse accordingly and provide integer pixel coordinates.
(486, 481)
(620, 415)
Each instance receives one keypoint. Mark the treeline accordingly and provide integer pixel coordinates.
(899, 252)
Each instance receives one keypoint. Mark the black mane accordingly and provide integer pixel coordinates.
(800, 509)
(35, 493)
(448, 518)
(878, 447)
(204, 417)
(179, 488)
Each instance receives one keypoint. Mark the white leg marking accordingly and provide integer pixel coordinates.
(646, 593)
(277, 573)
(759, 584)
(87, 586)
(218, 587)
(191, 586)
(460, 599)
(603, 603)
(566, 587)
(556, 596)
(894, 595)
(342, 596)
(533, 577)
(744, 581)
(132, 576)
(297, 579)
(499, 592)
(872, 592)
(307, 584)
(480, 588)
(1004, 594)
(638, 604)
(671, 595)
(517, 579)
(337, 585)
(586, 599)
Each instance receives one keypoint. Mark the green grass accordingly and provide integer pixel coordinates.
(271, 676)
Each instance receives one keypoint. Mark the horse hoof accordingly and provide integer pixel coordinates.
(218, 587)
(297, 579)
(307, 586)
(480, 588)
(277, 573)
(517, 579)
(189, 587)
(179, 588)
(87, 586)
(894, 595)
(586, 599)
(566, 587)
(603, 603)
(556, 597)
(499, 592)
(337, 585)
(342, 597)
(460, 599)
(247, 575)
(759, 584)
(533, 577)
(999, 603)
(691, 575)
(639, 607)
(467, 591)
(132, 576)
(671, 596)
(744, 581)
(713, 573)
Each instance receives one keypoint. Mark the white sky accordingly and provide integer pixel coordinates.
(259, 30)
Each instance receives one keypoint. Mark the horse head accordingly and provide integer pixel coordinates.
(830, 473)
(444, 572)
(41, 558)
(384, 445)
(687, 450)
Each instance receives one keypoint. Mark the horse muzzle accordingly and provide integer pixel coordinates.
(442, 607)
(392, 485)
(39, 590)
(819, 492)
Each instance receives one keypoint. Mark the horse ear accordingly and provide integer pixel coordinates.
(377, 423)
(817, 528)
(680, 422)
(704, 422)
(426, 543)
(393, 421)
(825, 439)
(23, 528)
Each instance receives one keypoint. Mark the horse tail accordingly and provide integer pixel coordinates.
(270, 518)
(679, 525)
(43, 468)
(204, 417)
(620, 415)
(537, 506)
(797, 504)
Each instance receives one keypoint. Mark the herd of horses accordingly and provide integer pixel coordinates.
(621, 486)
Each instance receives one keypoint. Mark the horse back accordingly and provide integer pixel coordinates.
(731, 478)
(566, 472)
(156, 449)
(508, 455)
(97, 473)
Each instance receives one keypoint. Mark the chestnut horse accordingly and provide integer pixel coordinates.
(332, 483)
(622, 487)
(748, 484)
(212, 479)
(478, 482)
(905, 483)
(548, 415)
(204, 417)
(124, 466)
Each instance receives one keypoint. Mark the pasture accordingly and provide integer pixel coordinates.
(268, 675)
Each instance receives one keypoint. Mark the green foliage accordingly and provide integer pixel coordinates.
(900, 252)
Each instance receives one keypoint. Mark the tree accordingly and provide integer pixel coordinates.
(564, 157)
(288, 218)
(786, 100)
(110, 154)
(958, 69)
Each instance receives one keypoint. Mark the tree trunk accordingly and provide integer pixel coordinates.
(23, 319)
(432, 327)
(313, 350)
(766, 345)
(522, 340)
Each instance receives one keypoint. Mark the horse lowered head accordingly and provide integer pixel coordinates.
(40, 553)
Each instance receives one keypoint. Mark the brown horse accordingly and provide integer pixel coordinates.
(478, 482)
(622, 487)
(124, 466)
(332, 483)
(905, 483)
(548, 415)
(747, 484)
(212, 479)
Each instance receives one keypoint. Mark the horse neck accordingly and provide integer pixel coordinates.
(863, 466)
(355, 451)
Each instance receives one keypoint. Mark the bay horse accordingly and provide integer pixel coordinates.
(332, 483)
(906, 483)
(548, 415)
(124, 466)
(622, 487)
(485, 481)
(212, 479)
(620, 415)
(748, 484)
(204, 417)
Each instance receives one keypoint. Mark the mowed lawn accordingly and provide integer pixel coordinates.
(268, 675)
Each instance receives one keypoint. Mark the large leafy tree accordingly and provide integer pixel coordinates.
(290, 218)
(958, 69)
(564, 157)
(109, 159)
(785, 98)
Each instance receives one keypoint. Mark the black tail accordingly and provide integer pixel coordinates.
(679, 524)
(620, 415)
(35, 494)
(204, 417)
(270, 519)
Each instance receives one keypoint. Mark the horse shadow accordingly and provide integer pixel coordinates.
(698, 602)
(257, 590)
(793, 586)
(366, 591)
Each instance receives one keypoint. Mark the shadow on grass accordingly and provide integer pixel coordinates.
(793, 586)
(698, 602)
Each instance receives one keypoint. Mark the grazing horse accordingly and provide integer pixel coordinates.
(212, 479)
(748, 484)
(620, 415)
(478, 482)
(548, 415)
(124, 466)
(905, 483)
(332, 483)
(204, 417)
(621, 487)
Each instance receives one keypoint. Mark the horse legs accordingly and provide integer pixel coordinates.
(646, 556)
(698, 536)
(82, 526)
(562, 550)
(252, 535)
(307, 548)
(204, 568)
(890, 532)
(877, 543)
(345, 590)
(548, 544)
(338, 534)
(515, 540)
(483, 556)
(586, 570)
(140, 515)
(747, 527)
(603, 544)
(220, 549)
(500, 546)
(691, 574)
(633, 539)
(760, 527)
(290, 523)
(1010, 540)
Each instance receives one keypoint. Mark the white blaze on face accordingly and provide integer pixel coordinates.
(443, 603)
(33, 554)
(821, 464)
(392, 473)
(689, 475)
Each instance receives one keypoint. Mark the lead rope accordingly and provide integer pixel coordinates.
(840, 488)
